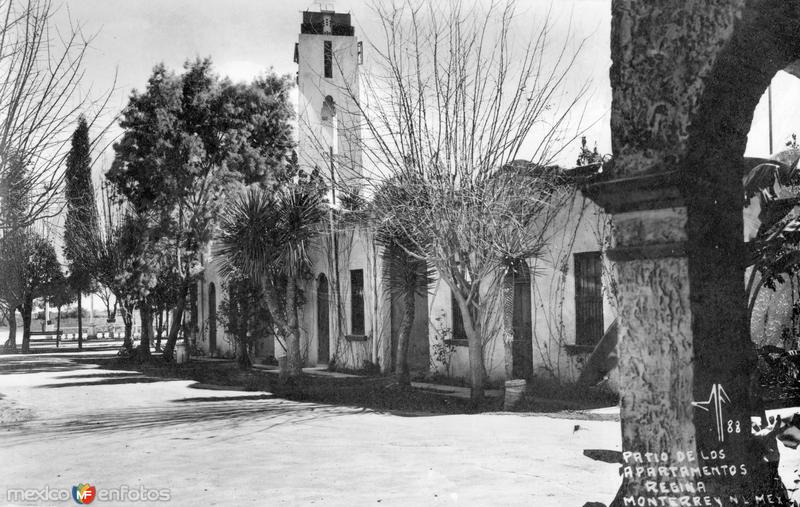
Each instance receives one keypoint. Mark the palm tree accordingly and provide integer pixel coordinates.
(404, 278)
(265, 236)
(405, 274)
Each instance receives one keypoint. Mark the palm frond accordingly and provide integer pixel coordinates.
(263, 232)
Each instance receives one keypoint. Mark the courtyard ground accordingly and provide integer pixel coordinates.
(66, 422)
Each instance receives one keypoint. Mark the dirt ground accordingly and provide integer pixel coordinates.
(72, 423)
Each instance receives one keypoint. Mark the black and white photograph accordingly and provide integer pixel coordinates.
(537, 253)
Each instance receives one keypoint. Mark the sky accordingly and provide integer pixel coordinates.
(246, 37)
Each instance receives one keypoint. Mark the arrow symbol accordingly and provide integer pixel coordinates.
(716, 399)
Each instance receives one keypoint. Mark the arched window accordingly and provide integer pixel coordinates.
(329, 124)
(328, 109)
(518, 283)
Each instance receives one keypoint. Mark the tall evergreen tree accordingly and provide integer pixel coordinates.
(14, 202)
(190, 141)
(82, 221)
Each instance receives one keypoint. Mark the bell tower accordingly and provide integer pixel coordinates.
(328, 56)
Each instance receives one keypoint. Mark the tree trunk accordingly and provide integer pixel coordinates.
(58, 326)
(401, 367)
(477, 372)
(172, 339)
(244, 318)
(11, 343)
(508, 326)
(127, 320)
(146, 314)
(27, 308)
(294, 360)
(80, 322)
(159, 329)
(472, 329)
(243, 357)
(281, 319)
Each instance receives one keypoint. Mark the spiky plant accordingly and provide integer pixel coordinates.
(405, 273)
(265, 236)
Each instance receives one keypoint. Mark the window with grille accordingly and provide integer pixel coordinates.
(357, 301)
(588, 298)
(328, 58)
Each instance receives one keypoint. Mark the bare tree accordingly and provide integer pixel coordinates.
(451, 102)
(113, 253)
(40, 98)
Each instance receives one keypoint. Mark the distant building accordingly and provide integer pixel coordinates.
(328, 56)
(563, 301)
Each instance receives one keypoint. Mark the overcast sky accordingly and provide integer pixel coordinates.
(245, 37)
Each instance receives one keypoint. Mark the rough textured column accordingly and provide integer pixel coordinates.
(655, 339)
(686, 76)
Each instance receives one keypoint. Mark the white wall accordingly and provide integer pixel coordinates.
(456, 363)
(356, 251)
(580, 227)
(313, 87)
(225, 345)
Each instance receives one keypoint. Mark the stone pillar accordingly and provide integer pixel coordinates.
(685, 76)
(655, 346)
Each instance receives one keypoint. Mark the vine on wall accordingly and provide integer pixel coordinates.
(550, 297)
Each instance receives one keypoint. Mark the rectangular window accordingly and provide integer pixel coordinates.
(357, 301)
(458, 321)
(328, 59)
(588, 298)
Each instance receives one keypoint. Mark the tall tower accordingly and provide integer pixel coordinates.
(328, 56)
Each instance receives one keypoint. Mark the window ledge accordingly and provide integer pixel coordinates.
(457, 343)
(574, 350)
(356, 337)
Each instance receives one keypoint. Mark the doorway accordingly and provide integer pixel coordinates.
(519, 277)
(212, 317)
(323, 308)
(418, 352)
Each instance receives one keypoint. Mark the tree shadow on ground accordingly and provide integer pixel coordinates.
(126, 379)
(377, 393)
(213, 415)
(44, 349)
(226, 398)
(40, 367)
(101, 375)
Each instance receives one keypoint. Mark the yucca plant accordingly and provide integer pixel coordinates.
(405, 278)
(265, 235)
(405, 273)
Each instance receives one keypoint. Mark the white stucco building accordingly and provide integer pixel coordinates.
(563, 301)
